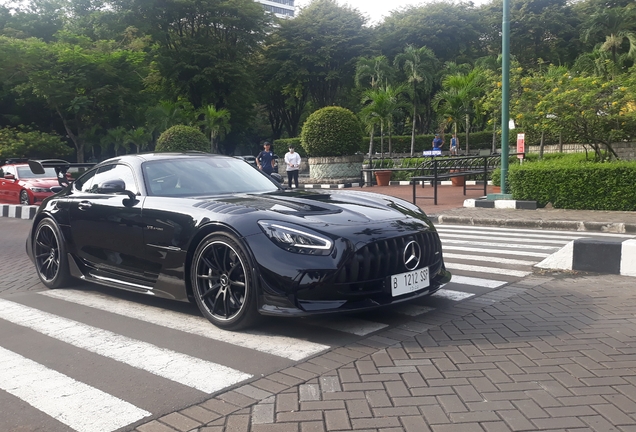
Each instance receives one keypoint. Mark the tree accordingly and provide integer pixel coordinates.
(381, 105)
(419, 65)
(323, 43)
(458, 97)
(23, 142)
(215, 123)
(617, 25)
(592, 110)
(83, 83)
(372, 72)
(139, 137)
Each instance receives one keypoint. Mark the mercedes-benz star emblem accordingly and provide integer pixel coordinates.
(412, 255)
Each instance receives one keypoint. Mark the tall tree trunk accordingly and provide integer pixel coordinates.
(371, 144)
(467, 125)
(541, 144)
(382, 141)
(560, 142)
(413, 131)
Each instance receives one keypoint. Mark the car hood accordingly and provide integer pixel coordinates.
(333, 208)
(41, 182)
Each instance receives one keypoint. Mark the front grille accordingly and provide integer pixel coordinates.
(370, 265)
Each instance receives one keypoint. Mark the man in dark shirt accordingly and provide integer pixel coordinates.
(438, 142)
(265, 159)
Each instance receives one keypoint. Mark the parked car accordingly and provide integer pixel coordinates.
(212, 230)
(18, 185)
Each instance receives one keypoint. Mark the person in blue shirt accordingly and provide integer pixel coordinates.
(438, 142)
(454, 145)
(265, 159)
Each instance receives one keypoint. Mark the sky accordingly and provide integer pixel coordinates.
(376, 10)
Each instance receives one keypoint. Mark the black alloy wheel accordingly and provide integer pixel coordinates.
(49, 252)
(24, 198)
(222, 282)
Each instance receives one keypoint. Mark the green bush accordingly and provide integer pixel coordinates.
(282, 144)
(181, 138)
(331, 131)
(572, 182)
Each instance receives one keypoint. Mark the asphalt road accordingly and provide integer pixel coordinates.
(123, 358)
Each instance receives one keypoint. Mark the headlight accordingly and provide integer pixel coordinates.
(296, 239)
(39, 189)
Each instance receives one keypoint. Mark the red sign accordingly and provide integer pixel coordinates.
(521, 144)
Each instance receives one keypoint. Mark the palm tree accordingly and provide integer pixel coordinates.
(617, 25)
(374, 71)
(138, 137)
(419, 65)
(167, 114)
(380, 107)
(458, 96)
(215, 123)
(116, 137)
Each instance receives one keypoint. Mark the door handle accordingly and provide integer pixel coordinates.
(84, 205)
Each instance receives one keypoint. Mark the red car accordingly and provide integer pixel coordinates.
(18, 185)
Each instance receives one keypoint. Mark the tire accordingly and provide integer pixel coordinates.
(49, 252)
(24, 198)
(222, 282)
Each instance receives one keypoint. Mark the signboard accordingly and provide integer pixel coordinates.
(432, 153)
(521, 144)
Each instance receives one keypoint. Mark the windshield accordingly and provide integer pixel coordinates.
(26, 173)
(203, 176)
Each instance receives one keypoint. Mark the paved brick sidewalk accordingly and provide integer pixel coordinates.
(549, 354)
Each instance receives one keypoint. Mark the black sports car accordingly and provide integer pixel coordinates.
(215, 231)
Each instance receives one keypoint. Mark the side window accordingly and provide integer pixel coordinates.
(84, 182)
(112, 172)
(9, 170)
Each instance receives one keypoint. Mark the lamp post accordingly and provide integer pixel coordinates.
(505, 90)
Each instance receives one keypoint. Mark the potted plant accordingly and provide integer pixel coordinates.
(383, 178)
(331, 136)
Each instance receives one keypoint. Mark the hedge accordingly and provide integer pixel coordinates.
(574, 183)
(181, 138)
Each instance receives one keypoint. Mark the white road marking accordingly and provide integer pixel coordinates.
(499, 245)
(452, 295)
(523, 234)
(487, 259)
(484, 283)
(184, 369)
(73, 403)
(281, 346)
(348, 325)
(412, 309)
(482, 269)
(495, 251)
(508, 239)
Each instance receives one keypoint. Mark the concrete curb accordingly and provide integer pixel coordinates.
(608, 227)
(609, 256)
(18, 211)
(501, 204)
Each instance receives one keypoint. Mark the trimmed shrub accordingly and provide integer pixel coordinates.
(575, 183)
(331, 131)
(181, 138)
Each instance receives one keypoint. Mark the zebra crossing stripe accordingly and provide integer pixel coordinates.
(507, 239)
(184, 369)
(487, 258)
(281, 346)
(482, 269)
(73, 403)
(445, 248)
(452, 295)
(484, 283)
(503, 246)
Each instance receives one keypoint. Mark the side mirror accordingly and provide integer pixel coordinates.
(277, 177)
(115, 186)
(9, 177)
(56, 189)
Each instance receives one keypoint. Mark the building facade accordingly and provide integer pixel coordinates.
(281, 8)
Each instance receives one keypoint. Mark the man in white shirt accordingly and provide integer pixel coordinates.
(292, 161)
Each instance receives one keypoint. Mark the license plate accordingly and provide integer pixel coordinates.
(405, 283)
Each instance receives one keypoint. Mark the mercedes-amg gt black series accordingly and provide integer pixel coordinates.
(213, 230)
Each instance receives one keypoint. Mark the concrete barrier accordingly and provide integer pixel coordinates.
(608, 255)
(18, 211)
